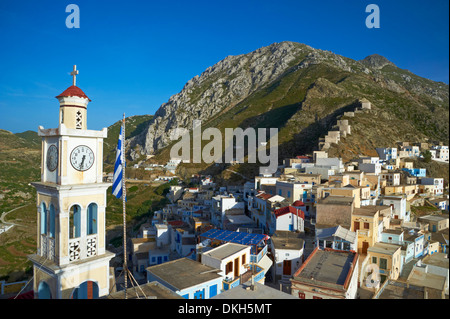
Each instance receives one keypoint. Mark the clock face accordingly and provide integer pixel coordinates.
(52, 158)
(82, 158)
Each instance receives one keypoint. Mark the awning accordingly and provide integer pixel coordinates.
(265, 263)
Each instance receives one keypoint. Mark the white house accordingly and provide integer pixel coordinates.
(387, 153)
(220, 204)
(338, 238)
(188, 278)
(438, 184)
(287, 248)
(288, 218)
(230, 258)
(398, 204)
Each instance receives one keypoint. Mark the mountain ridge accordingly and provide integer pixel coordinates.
(289, 73)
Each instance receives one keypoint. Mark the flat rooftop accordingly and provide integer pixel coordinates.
(326, 268)
(336, 200)
(369, 210)
(287, 240)
(151, 290)
(260, 292)
(435, 218)
(384, 248)
(398, 290)
(225, 250)
(184, 273)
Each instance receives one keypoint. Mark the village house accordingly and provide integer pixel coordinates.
(387, 153)
(287, 248)
(441, 152)
(327, 274)
(436, 222)
(392, 178)
(388, 259)
(434, 280)
(233, 260)
(188, 278)
(292, 191)
(220, 204)
(368, 222)
(338, 238)
(334, 210)
(435, 185)
(288, 218)
(399, 207)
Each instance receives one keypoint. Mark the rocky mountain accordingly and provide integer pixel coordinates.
(301, 91)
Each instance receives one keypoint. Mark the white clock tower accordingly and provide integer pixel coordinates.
(71, 259)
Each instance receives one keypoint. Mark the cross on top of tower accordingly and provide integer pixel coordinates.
(74, 74)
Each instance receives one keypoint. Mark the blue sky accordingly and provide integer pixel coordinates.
(133, 55)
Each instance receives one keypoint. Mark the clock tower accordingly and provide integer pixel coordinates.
(71, 259)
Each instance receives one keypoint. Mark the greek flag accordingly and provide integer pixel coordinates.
(118, 169)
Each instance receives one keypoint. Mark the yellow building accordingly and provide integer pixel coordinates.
(387, 257)
(368, 222)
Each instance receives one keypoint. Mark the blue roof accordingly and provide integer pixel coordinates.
(234, 237)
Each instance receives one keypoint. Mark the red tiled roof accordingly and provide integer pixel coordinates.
(175, 223)
(289, 209)
(74, 91)
(303, 157)
(264, 196)
(298, 203)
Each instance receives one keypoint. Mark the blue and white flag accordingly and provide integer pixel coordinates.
(118, 168)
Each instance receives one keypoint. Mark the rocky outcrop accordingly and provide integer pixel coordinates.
(218, 87)
(224, 85)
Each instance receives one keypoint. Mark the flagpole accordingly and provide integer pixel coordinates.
(124, 196)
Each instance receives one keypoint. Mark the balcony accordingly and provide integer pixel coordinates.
(261, 252)
(254, 270)
(364, 232)
(47, 247)
(80, 248)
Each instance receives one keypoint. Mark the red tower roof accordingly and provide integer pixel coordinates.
(73, 91)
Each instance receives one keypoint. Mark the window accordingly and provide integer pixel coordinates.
(383, 263)
(79, 121)
(366, 226)
(43, 219)
(75, 221)
(289, 194)
(92, 219)
(374, 260)
(301, 295)
(243, 259)
(229, 268)
(51, 224)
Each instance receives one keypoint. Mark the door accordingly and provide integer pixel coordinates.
(236, 267)
(365, 245)
(212, 291)
(287, 267)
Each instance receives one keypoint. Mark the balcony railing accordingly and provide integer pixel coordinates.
(255, 271)
(80, 248)
(364, 232)
(47, 247)
(256, 258)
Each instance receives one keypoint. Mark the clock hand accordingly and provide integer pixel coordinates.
(82, 161)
